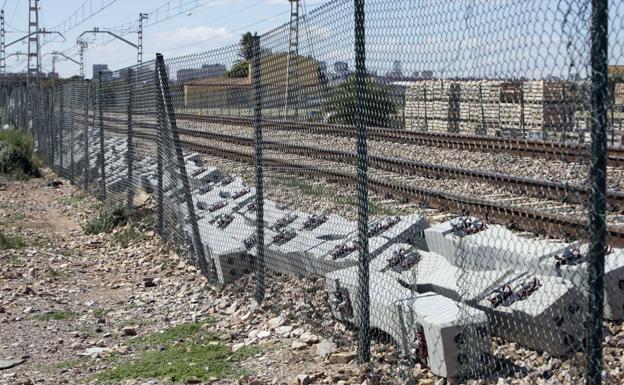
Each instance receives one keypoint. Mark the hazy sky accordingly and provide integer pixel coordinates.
(480, 38)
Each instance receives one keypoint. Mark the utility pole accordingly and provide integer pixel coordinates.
(34, 63)
(142, 16)
(293, 51)
(83, 46)
(2, 47)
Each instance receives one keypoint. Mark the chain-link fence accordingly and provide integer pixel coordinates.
(433, 173)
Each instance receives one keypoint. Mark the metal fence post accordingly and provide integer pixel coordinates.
(259, 176)
(362, 180)
(87, 161)
(165, 106)
(159, 153)
(598, 176)
(52, 125)
(61, 123)
(72, 90)
(101, 124)
(71, 132)
(130, 151)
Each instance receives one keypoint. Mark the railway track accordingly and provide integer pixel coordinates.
(522, 217)
(561, 192)
(570, 152)
(519, 147)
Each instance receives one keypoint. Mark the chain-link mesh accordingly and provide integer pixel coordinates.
(429, 174)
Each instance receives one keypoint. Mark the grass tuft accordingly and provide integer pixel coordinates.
(178, 354)
(126, 236)
(11, 242)
(99, 313)
(176, 363)
(58, 315)
(109, 218)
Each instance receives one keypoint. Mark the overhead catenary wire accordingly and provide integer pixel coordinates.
(177, 48)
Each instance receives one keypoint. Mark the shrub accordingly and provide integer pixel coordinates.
(109, 218)
(17, 157)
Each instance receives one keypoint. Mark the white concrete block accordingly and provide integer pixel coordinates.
(410, 229)
(231, 263)
(578, 274)
(449, 335)
(231, 258)
(194, 158)
(292, 256)
(329, 227)
(542, 321)
(340, 254)
(494, 248)
(198, 176)
(549, 319)
(455, 336)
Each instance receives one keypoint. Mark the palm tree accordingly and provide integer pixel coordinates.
(246, 46)
(240, 69)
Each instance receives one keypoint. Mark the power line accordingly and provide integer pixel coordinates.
(75, 19)
(14, 12)
(227, 33)
(166, 9)
(122, 31)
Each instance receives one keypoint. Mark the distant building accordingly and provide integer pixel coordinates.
(396, 66)
(422, 75)
(341, 68)
(53, 75)
(323, 67)
(396, 74)
(206, 71)
(616, 70)
(237, 92)
(103, 68)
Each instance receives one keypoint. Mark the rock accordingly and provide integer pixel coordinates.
(303, 379)
(325, 348)
(264, 334)
(309, 338)
(7, 364)
(427, 381)
(235, 347)
(284, 331)
(94, 352)
(149, 282)
(441, 381)
(246, 317)
(27, 290)
(121, 349)
(231, 309)
(298, 345)
(276, 322)
(193, 380)
(129, 331)
(342, 358)
(76, 346)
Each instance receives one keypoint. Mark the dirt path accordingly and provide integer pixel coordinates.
(82, 309)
